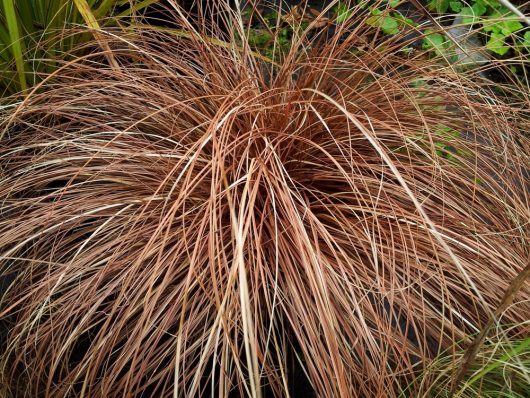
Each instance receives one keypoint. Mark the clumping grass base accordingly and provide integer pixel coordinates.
(198, 220)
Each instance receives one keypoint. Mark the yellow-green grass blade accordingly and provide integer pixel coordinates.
(104, 8)
(137, 7)
(86, 12)
(92, 22)
(519, 348)
(16, 41)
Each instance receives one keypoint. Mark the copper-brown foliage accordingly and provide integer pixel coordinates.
(202, 222)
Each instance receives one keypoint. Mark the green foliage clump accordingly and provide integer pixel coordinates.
(436, 42)
(33, 39)
(501, 27)
(388, 21)
(271, 34)
(381, 19)
(500, 370)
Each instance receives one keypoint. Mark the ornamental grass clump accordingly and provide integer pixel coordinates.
(204, 220)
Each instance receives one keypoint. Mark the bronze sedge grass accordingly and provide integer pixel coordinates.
(203, 222)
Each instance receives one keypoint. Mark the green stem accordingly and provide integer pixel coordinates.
(16, 41)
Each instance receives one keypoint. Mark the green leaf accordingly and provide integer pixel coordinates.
(343, 12)
(496, 44)
(435, 41)
(502, 21)
(526, 41)
(388, 25)
(16, 41)
(440, 6)
(456, 6)
(508, 27)
(394, 3)
(469, 16)
(493, 23)
(491, 26)
(479, 9)
(404, 20)
(495, 4)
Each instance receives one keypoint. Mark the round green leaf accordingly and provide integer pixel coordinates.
(496, 44)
